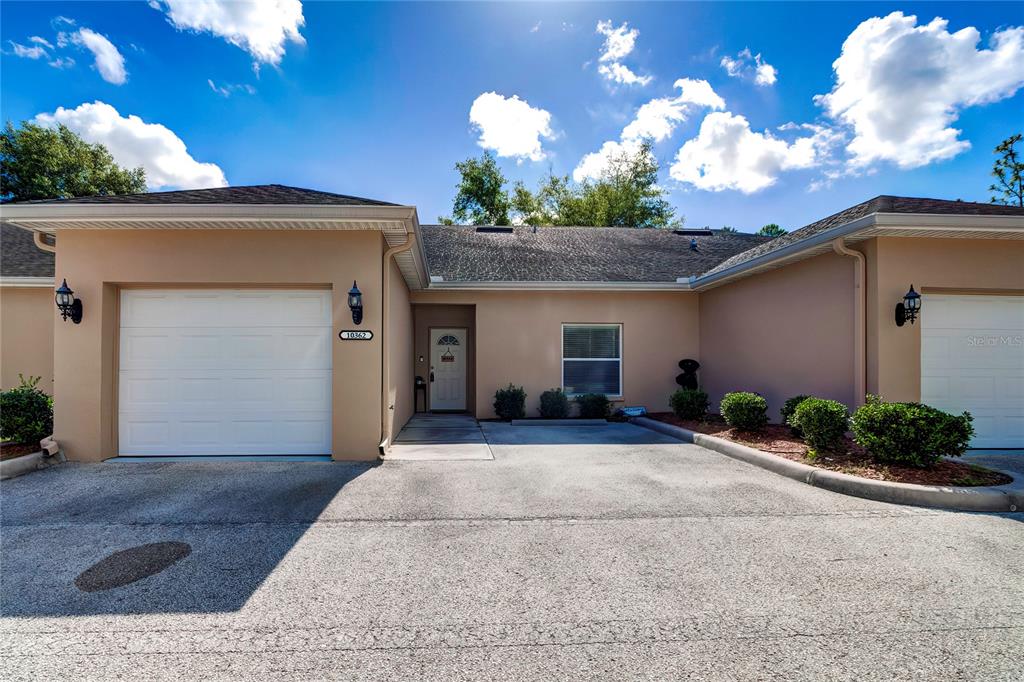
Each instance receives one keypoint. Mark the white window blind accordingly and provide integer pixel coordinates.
(592, 358)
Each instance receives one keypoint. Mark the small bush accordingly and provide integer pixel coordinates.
(26, 413)
(822, 422)
(910, 433)
(689, 403)
(554, 404)
(744, 411)
(594, 405)
(510, 402)
(788, 408)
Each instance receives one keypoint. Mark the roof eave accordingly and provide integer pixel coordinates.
(557, 286)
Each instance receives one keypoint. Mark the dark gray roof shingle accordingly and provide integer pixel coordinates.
(574, 254)
(880, 204)
(20, 257)
(250, 194)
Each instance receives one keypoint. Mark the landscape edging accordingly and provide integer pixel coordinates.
(10, 468)
(979, 499)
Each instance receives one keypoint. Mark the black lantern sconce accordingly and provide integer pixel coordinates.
(67, 304)
(909, 308)
(355, 303)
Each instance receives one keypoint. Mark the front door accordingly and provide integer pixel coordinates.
(447, 369)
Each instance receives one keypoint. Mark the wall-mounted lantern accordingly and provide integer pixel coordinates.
(909, 308)
(355, 303)
(67, 304)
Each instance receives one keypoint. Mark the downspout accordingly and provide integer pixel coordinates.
(385, 339)
(859, 315)
(37, 238)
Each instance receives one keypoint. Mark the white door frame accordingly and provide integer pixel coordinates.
(435, 333)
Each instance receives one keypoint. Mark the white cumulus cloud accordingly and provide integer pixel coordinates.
(749, 66)
(261, 28)
(26, 51)
(510, 126)
(655, 120)
(619, 42)
(900, 86)
(727, 154)
(133, 142)
(109, 61)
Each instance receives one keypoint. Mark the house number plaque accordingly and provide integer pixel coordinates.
(354, 335)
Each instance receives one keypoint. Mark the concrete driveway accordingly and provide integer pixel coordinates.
(608, 552)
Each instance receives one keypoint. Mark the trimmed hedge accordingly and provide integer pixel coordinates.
(26, 413)
(911, 434)
(594, 405)
(744, 411)
(788, 408)
(689, 403)
(510, 402)
(554, 404)
(822, 422)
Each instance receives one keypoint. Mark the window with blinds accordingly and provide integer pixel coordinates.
(592, 359)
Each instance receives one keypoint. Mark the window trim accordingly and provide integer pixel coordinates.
(619, 325)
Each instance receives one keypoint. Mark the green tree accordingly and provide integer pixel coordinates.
(1009, 174)
(43, 163)
(772, 230)
(481, 198)
(727, 228)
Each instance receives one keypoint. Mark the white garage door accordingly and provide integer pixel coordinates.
(225, 372)
(972, 358)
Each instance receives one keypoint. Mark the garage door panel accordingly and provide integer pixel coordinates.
(225, 372)
(972, 359)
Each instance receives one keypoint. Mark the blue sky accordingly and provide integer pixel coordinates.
(376, 99)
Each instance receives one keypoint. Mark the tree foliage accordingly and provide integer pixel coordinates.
(45, 163)
(625, 195)
(772, 230)
(1008, 170)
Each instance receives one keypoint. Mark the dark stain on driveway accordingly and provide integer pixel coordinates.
(129, 565)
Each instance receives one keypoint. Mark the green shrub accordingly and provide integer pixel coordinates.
(594, 405)
(510, 402)
(744, 411)
(26, 413)
(788, 408)
(822, 422)
(689, 403)
(910, 433)
(554, 404)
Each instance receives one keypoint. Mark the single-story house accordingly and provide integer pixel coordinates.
(223, 321)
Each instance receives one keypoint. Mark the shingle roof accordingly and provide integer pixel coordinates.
(20, 257)
(880, 204)
(574, 254)
(250, 194)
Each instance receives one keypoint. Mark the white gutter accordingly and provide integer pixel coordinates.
(113, 213)
(385, 360)
(27, 282)
(859, 316)
(436, 285)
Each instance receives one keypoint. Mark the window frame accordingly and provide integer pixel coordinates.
(619, 325)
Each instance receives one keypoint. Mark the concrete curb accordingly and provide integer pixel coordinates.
(9, 468)
(559, 422)
(1004, 498)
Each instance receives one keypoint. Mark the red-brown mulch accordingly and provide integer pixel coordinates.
(849, 458)
(12, 450)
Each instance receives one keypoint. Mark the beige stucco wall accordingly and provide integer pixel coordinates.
(400, 349)
(438, 316)
(781, 333)
(931, 265)
(518, 339)
(97, 263)
(26, 335)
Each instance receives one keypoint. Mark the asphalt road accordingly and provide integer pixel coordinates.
(609, 553)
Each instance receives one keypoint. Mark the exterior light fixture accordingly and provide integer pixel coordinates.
(355, 303)
(67, 304)
(909, 308)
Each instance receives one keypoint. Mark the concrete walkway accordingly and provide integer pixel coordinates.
(439, 437)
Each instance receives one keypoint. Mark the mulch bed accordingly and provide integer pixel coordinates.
(849, 458)
(12, 450)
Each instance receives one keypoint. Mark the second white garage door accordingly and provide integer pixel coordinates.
(972, 358)
(225, 372)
